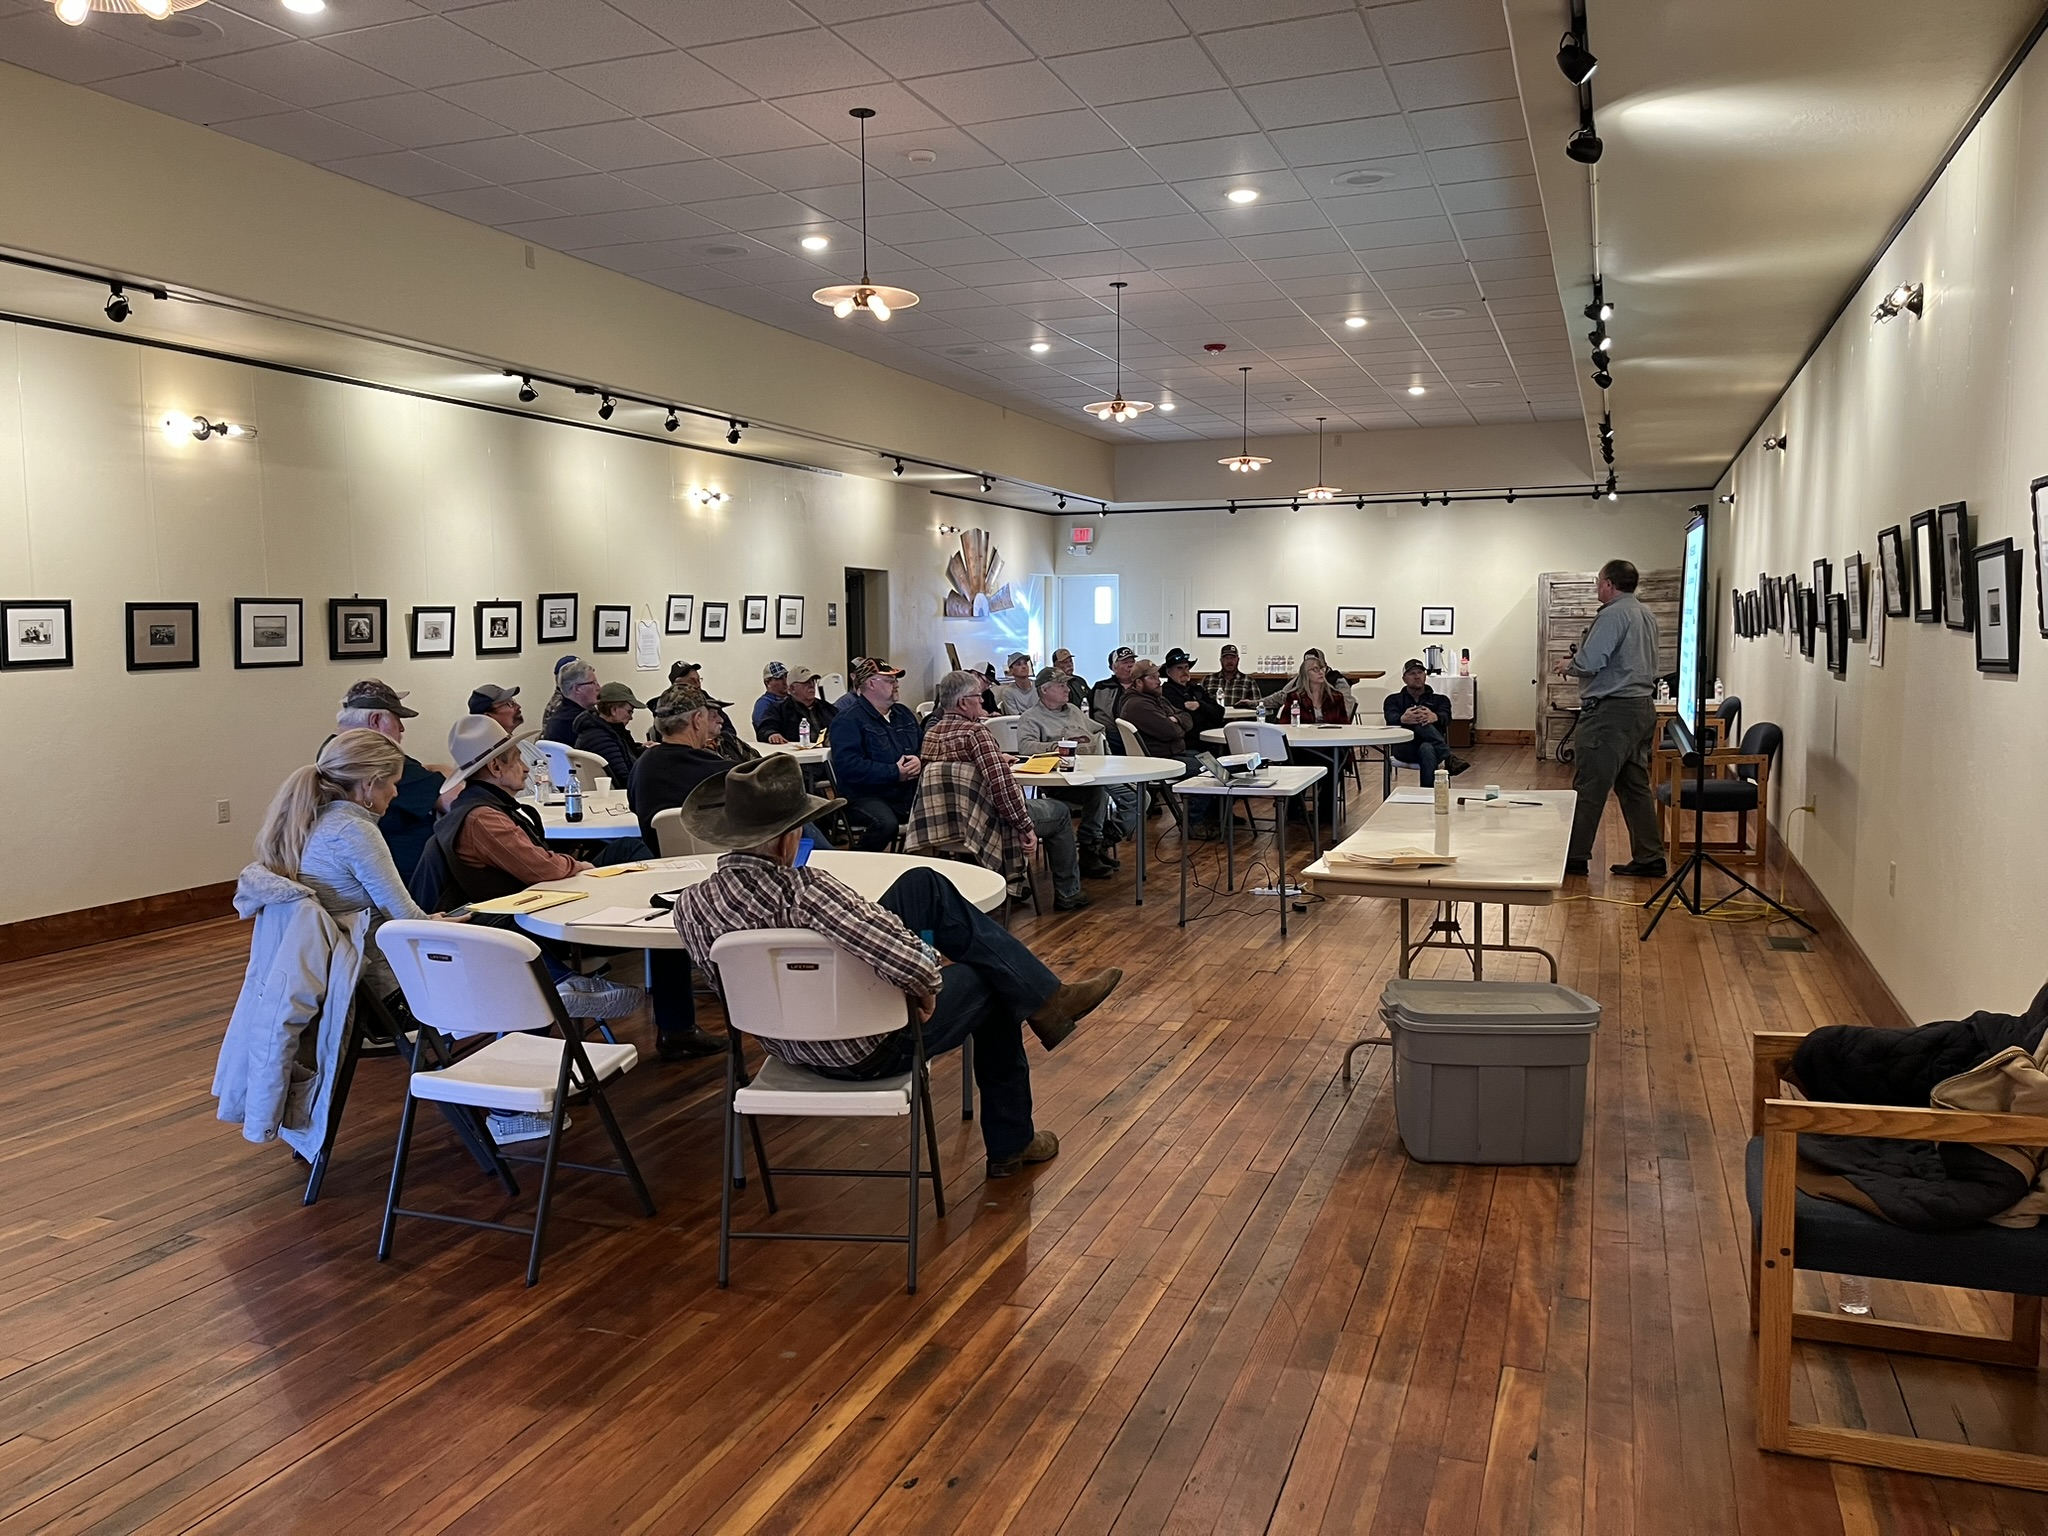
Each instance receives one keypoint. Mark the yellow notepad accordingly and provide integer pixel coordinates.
(614, 869)
(1045, 762)
(528, 901)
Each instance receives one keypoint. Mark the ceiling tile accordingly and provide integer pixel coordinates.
(489, 205)
(1390, 232)
(1480, 162)
(1074, 26)
(1003, 91)
(791, 63)
(1515, 192)
(587, 194)
(225, 31)
(1090, 173)
(958, 251)
(833, 12)
(1429, 29)
(1146, 69)
(662, 224)
(1028, 213)
(693, 25)
(1057, 242)
(617, 146)
(1174, 119)
(935, 42)
(897, 112)
(1297, 242)
(1047, 136)
(303, 73)
(816, 165)
(191, 94)
(1087, 264)
(1450, 82)
(1334, 144)
(404, 172)
(81, 55)
(1287, 50)
(988, 274)
(1500, 221)
(695, 181)
(1483, 122)
(531, 103)
(558, 33)
(415, 120)
(429, 52)
(1126, 203)
(765, 211)
(508, 160)
(844, 202)
(742, 128)
(1200, 158)
(1170, 229)
(964, 189)
(1320, 99)
(656, 83)
(305, 136)
(903, 229)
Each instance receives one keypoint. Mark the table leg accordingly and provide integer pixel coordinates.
(1183, 883)
(1144, 797)
(1404, 935)
(1386, 772)
(1479, 941)
(1336, 774)
(1282, 881)
(1229, 820)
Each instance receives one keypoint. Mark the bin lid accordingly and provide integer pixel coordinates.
(1463, 1006)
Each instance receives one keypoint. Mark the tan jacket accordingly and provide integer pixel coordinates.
(2010, 1083)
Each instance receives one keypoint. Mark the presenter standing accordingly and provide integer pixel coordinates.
(1616, 665)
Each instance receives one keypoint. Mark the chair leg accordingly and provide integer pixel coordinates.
(916, 1194)
(761, 1162)
(603, 1106)
(725, 1189)
(397, 1175)
(548, 1162)
(931, 1136)
(344, 1077)
(967, 1078)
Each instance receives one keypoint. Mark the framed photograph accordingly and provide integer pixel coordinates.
(753, 615)
(36, 634)
(498, 628)
(789, 618)
(611, 627)
(1995, 593)
(1212, 623)
(269, 632)
(554, 618)
(355, 629)
(1439, 621)
(1958, 592)
(1838, 634)
(1283, 618)
(831, 615)
(162, 636)
(2040, 562)
(1823, 582)
(714, 622)
(1891, 561)
(431, 631)
(1809, 620)
(1856, 588)
(1356, 623)
(1926, 570)
(681, 607)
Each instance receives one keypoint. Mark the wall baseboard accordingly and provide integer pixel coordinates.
(1505, 738)
(116, 920)
(1865, 985)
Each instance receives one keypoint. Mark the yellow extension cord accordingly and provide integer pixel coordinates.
(1731, 912)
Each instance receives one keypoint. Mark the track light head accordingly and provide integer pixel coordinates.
(1584, 146)
(1233, 509)
(1728, 499)
(733, 434)
(1511, 495)
(1600, 309)
(671, 423)
(527, 393)
(1776, 444)
(1574, 60)
(1063, 503)
(1603, 378)
(606, 405)
(987, 485)
(1906, 299)
(1600, 339)
(117, 303)
(899, 468)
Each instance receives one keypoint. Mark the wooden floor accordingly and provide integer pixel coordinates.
(1231, 1304)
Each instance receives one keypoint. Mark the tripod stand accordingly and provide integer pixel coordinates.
(1697, 862)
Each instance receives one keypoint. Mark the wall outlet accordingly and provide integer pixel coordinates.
(220, 812)
(1892, 880)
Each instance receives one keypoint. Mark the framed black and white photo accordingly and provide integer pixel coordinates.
(611, 627)
(1439, 621)
(1856, 588)
(789, 618)
(1995, 599)
(498, 628)
(1958, 594)
(753, 615)
(1283, 618)
(1926, 553)
(431, 631)
(681, 608)
(1357, 623)
(355, 629)
(1823, 583)
(714, 622)
(162, 637)
(1837, 613)
(1212, 623)
(831, 615)
(2040, 561)
(269, 632)
(1891, 561)
(554, 618)
(35, 633)
(1809, 620)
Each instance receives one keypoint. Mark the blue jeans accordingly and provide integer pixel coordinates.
(1427, 752)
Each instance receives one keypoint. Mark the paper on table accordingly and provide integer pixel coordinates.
(692, 864)
(1045, 762)
(527, 901)
(616, 869)
(620, 917)
(1412, 797)
(1392, 858)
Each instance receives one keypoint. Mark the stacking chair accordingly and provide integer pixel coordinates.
(1270, 742)
(464, 981)
(793, 984)
(1004, 729)
(1739, 785)
(592, 771)
(673, 839)
(924, 711)
(1158, 794)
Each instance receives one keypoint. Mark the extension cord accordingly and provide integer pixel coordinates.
(1273, 890)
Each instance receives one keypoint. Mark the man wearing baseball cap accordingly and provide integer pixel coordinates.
(374, 705)
(1077, 685)
(606, 730)
(500, 703)
(1020, 692)
(875, 761)
(1230, 687)
(801, 704)
(774, 689)
(1106, 702)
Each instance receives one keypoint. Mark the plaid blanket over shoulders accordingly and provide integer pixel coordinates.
(953, 813)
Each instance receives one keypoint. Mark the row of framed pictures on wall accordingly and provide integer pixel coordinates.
(270, 631)
(1352, 623)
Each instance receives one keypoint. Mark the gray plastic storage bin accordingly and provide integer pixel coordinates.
(1489, 1071)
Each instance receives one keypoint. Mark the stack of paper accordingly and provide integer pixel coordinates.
(528, 901)
(1391, 858)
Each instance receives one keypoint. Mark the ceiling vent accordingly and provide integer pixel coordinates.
(1364, 176)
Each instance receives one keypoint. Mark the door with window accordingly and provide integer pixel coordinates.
(1089, 615)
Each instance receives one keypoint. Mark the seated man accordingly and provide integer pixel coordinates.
(875, 762)
(993, 989)
(1019, 693)
(423, 792)
(1041, 728)
(1106, 699)
(1197, 703)
(1162, 734)
(1428, 714)
(1077, 685)
(684, 757)
(802, 707)
(956, 735)
(575, 691)
(774, 689)
(490, 844)
(606, 730)
(1230, 686)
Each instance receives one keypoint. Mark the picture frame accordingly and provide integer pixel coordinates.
(681, 609)
(1439, 621)
(499, 627)
(1212, 623)
(1838, 634)
(714, 621)
(355, 629)
(555, 618)
(430, 632)
(1823, 583)
(831, 615)
(163, 637)
(754, 615)
(35, 632)
(1927, 586)
(1357, 623)
(789, 617)
(1958, 591)
(1856, 588)
(1995, 591)
(1809, 620)
(611, 627)
(2034, 495)
(1891, 560)
(270, 632)
(1283, 618)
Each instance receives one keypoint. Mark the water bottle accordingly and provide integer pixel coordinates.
(1262, 711)
(1663, 691)
(1294, 713)
(572, 798)
(1443, 791)
(1718, 694)
(803, 733)
(1855, 1295)
(1464, 663)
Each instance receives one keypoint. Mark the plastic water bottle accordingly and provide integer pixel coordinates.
(1294, 713)
(572, 799)
(1718, 694)
(1855, 1295)
(1464, 663)
(803, 733)
(1663, 691)
(1443, 791)
(1262, 711)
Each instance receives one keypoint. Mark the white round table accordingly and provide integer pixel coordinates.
(605, 816)
(1107, 770)
(1335, 741)
(810, 757)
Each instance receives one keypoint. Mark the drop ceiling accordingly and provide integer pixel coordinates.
(1026, 153)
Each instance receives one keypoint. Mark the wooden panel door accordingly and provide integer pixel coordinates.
(1566, 603)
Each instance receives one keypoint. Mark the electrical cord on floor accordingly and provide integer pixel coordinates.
(1212, 893)
(1725, 912)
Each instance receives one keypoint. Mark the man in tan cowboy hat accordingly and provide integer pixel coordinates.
(996, 986)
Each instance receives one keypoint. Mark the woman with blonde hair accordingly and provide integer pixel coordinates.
(1319, 703)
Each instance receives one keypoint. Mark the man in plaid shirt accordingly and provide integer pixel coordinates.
(994, 987)
(1230, 687)
(957, 735)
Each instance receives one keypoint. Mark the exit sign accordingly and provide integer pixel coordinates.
(1081, 533)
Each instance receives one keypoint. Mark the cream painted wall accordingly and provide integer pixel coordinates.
(349, 490)
(1925, 764)
(1481, 558)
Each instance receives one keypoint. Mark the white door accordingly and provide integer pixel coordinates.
(1089, 612)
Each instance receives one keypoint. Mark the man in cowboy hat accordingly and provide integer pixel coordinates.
(758, 810)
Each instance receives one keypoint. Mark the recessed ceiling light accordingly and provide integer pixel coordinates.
(963, 351)
(1415, 389)
(1243, 194)
(1166, 405)
(922, 156)
(306, 7)
(816, 243)
(1041, 346)
(1484, 384)
(1355, 322)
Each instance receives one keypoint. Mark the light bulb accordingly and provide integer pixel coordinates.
(306, 7)
(878, 306)
(844, 307)
(176, 424)
(155, 10)
(237, 430)
(1606, 311)
(815, 242)
(1355, 322)
(1415, 389)
(1242, 195)
(1041, 346)
(73, 12)
(1166, 405)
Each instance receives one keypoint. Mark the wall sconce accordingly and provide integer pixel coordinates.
(1728, 499)
(177, 425)
(1776, 444)
(707, 498)
(946, 530)
(1907, 298)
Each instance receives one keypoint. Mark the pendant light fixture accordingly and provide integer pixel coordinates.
(844, 298)
(1320, 491)
(1118, 409)
(1246, 462)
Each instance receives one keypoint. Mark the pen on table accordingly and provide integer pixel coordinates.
(1482, 800)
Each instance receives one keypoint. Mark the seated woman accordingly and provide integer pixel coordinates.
(1319, 703)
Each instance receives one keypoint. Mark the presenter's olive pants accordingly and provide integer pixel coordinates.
(1613, 745)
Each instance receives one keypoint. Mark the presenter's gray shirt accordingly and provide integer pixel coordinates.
(1618, 657)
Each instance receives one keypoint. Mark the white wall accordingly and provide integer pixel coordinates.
(1925, 764)
(1481, 558)
(349, 490)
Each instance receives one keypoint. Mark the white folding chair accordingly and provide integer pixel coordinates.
(924, 711)
(793, 984)
(1159, 794)
(1270, 742)
(672, 839)
(592, 771)
(831, 686)
(463, 980)
(1004, 729)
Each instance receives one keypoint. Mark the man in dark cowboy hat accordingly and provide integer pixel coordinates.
(994, 988)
